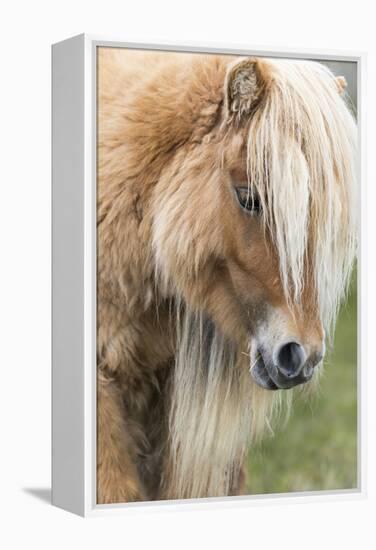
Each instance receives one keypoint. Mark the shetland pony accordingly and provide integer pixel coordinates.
(226, 236)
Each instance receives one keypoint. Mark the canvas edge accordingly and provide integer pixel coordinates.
(68, 172)
(362, 282)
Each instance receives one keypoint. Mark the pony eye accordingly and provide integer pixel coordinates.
(249, 201)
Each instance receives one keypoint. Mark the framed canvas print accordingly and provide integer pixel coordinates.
(206, 267)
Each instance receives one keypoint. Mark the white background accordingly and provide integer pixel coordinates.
(27, 30)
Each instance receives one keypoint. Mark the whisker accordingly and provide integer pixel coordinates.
(255, 361)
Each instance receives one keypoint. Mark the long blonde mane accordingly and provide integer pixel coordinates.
(216, 411)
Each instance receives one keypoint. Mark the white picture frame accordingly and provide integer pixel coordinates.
(74, 277)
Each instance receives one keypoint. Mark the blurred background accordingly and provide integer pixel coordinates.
(317, 448)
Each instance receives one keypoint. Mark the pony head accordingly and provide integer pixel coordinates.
(254, 225)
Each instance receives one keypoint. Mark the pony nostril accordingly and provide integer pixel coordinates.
(291, 358)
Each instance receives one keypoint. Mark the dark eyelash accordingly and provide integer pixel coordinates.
(247, 200)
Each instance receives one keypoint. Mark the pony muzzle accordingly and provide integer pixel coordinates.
(289, 366)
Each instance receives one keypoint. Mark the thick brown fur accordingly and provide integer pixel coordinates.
(172, 131)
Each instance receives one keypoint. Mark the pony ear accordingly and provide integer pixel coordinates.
(244, 84)
(341, 84)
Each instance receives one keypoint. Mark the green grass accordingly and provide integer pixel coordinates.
(317, 448)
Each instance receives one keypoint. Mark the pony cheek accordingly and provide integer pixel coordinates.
(185, 249)
(256, 286)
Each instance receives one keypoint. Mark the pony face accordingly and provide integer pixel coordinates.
(285, 336)
(254, 225)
